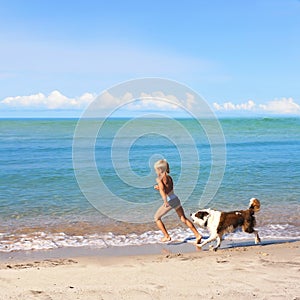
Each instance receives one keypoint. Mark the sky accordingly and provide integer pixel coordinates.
(242, 57)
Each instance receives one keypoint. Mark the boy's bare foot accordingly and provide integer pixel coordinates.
(198, 239)
(166, 239)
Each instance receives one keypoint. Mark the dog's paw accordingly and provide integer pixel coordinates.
(257, 241)
(213, 248)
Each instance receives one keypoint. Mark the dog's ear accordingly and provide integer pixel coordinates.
(198, 213)
(201, 214)
(205, 213)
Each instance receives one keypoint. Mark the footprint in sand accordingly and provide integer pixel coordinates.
(42, 263)
(34, 294)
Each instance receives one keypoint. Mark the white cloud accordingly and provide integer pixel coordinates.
(154, 101)
(157, 101)
(160, 101)
(229, 106)
(55, 100)
(282, 106)
(108, 101)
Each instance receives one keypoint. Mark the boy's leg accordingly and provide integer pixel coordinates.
(162, 227)
(180, 213)
(157, 217)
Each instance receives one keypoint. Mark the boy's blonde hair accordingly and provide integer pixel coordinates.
(163, 165)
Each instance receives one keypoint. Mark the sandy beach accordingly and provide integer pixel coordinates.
(269, 271)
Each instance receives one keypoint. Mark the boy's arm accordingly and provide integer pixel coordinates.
(162, 192)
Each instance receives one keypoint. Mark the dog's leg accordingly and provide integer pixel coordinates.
(219, 239)
(210, 239)
(257, 238)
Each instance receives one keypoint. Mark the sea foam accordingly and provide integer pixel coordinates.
(44, 241)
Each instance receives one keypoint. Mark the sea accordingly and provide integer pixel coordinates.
(55, 192)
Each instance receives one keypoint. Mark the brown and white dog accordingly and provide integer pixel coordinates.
(218, 223)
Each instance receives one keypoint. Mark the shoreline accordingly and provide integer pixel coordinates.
(173, 247)
(267, 271)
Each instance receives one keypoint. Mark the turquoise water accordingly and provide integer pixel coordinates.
(40, 195)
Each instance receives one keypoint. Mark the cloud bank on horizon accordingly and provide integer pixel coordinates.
(283, 106)
(56, 101)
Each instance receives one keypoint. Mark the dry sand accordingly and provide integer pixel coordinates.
(255, 272)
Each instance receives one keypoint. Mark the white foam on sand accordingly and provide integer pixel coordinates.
(44, 241)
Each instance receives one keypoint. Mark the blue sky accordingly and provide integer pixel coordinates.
(243, 57)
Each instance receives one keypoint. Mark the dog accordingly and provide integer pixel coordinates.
(218, 223)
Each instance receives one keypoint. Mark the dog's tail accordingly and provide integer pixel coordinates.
(254, 204)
